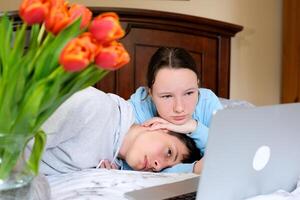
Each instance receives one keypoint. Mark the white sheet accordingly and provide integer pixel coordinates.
(112, 184)
(280, 195)
(106, 184)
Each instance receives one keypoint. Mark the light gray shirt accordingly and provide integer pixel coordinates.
(88, 127)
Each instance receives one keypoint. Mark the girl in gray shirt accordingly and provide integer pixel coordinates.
(92, 125)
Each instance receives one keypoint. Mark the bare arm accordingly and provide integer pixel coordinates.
(159, 123)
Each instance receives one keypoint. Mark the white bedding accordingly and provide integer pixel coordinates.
(280, 194)
(106, 184)
(113, 184)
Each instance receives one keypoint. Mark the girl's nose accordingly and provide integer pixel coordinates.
(157, 166)
(178, 106)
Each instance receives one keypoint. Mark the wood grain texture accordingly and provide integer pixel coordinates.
(291, 52)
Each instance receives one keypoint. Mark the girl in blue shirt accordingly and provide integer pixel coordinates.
(173, 100)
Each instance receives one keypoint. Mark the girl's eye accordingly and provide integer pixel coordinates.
(169, 154)
(190, 93)
(166, 96)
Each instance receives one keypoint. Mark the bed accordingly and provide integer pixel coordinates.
(146, 30)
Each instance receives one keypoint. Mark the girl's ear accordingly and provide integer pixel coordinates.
(149, 92)
(198, 83)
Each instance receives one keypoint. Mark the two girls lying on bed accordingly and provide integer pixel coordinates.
(92, 125)
(174, 99)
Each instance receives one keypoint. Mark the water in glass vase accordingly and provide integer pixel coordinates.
(15, 176)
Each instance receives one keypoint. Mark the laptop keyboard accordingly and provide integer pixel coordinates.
(188, 196)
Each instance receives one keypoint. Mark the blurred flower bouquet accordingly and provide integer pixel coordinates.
(58, 50)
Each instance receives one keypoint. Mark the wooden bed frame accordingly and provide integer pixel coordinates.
(146, 30)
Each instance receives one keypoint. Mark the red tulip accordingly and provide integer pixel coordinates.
(78, 53)
(58, 17)
(34, 11)
(77, 10)
(106, 27)
(112, 57)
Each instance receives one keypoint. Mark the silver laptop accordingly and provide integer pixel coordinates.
(250, 151)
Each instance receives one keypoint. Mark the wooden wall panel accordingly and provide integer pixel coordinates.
(291, 52)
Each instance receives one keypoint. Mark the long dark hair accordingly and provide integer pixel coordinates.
(166, 57)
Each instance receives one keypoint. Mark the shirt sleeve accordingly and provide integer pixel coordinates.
(143, 106)
(180, 168)
(200, 136)
(208, 104)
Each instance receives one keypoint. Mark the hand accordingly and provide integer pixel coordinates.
(106, 164)
(198, 166)
(160, 123)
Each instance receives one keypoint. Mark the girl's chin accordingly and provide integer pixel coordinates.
(137, 167)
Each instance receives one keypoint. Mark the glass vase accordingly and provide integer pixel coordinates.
(15, 176)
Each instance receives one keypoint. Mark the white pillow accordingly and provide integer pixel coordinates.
(231, 103)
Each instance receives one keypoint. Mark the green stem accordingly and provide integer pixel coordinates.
(12, 147)
(8, 161)
(41, 34)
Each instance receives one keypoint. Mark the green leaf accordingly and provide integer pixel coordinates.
(37, 151)
(73, 82)
(10, 148)
(29, 108)
(9, 160)
(48, 59)
(54, 85)
(5, 39)
(5, 49)
(18, 47)
(32, 50)
(34, 34)
(15, 75)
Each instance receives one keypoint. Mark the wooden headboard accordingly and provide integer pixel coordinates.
(146, 30)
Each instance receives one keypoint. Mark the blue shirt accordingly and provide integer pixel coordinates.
(208, 103)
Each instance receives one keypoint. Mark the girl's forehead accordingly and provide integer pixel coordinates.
(171, 73)
(169, 69)
(173, 79)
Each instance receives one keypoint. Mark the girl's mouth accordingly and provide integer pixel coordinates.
(179, 118)
(145, 163)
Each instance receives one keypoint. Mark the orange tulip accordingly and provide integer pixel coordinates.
(78, 53)
(34, 11)
(106, 27)
(77, 10)
(58, 17)
(112, 57)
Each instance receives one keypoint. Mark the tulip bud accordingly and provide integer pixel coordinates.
(34, 11)
(106, 28)
(58, 17)
(112, 57)
(78, 53)
(77, 10)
